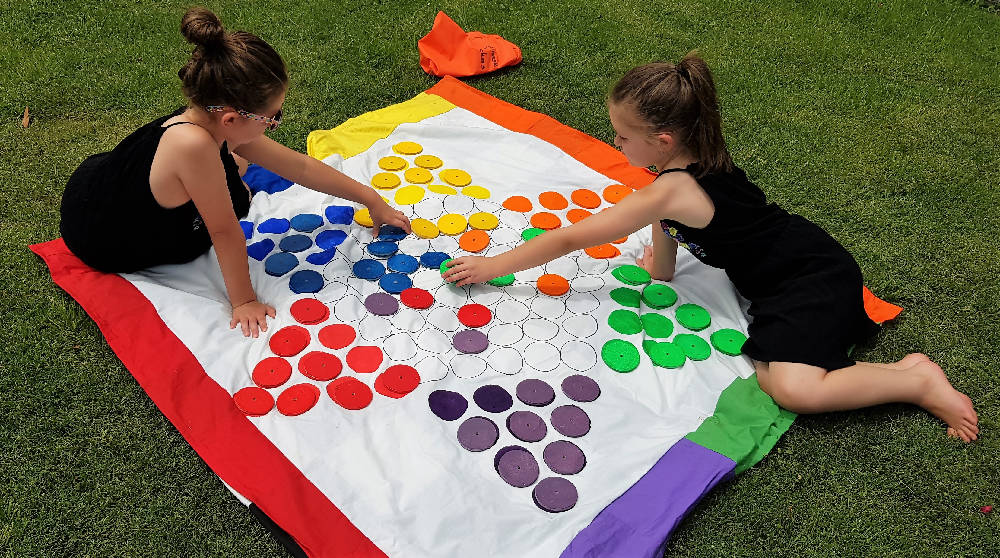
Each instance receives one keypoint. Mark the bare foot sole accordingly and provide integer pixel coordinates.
(947, 403)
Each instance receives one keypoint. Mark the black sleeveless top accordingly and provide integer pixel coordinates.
(805, 289)
(111, 221)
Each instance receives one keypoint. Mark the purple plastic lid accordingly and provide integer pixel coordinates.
(493, 399)
(554, 494)
(535, 392)
(478, 433)
(526, 426)
(470, 341)
(564, 457)
(518, 468)
(503, 450)
(382, 304)
(570, 420)
(581, 388)
(447, 405)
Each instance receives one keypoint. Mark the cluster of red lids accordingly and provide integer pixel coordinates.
(349, 392)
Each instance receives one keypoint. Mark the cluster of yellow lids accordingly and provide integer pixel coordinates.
(420, 176)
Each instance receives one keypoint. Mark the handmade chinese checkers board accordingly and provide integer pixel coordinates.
(561, 410)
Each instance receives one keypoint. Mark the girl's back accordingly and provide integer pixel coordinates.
(111, 220)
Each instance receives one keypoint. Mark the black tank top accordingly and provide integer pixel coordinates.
(759, 245)
(111, 221)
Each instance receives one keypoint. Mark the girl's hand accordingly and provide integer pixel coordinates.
(382, 214)
(645, 261)
(252, 316)
(470, 269)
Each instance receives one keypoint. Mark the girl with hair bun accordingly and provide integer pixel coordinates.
(173, 189)
(804, 288)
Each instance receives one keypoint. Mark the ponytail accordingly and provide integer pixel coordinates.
(679, 99)
(235, 69)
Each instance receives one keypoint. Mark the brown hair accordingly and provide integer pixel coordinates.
(679, 99)
(236, 69)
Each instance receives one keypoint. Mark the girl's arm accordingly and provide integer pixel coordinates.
(638, 209)
(660, 259)
(316, 175)
(204, 178)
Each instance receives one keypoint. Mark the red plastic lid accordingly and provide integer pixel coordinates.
(309, 311)
(337, 336)
(289, 341)
(297, 399)
(400, 378)
(253, 401)
(474, 315)
(364, 359)
(415, 297)
(350, 393)
(320, 366)
(271, 372)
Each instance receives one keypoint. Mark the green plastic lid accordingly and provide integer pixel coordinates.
(625, 322)
(620, 355)
(659, 296)
(693, 346)
(502, 281)
(631, 275)
(693, 317)
(626, 297)
(444, 265)
(528, 234)
(667, 355)
(657, 325)
(729, 341)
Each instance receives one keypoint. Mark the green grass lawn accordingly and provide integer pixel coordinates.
(878, 120)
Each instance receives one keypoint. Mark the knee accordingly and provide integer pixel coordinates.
(797, 394)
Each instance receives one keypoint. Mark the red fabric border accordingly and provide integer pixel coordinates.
(202, 411)
(590, 151)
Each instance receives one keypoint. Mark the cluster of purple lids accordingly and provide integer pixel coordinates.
(515, 464)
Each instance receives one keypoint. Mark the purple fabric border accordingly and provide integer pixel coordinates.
(639, 522)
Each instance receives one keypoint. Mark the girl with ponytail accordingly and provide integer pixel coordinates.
(805, 289)
(173, 189)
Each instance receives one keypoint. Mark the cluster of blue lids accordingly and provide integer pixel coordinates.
(285, 259)
(393, 276)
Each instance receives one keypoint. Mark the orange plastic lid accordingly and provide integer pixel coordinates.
(518, 203)
(616, 192)
(603, 251)
(576, 215)
(553, 285)
(545, 221)
(586, 198)
(552, 200)
(474, 241)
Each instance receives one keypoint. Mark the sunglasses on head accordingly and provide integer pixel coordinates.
(272, 122)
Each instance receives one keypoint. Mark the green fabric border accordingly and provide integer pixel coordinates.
(747, 423)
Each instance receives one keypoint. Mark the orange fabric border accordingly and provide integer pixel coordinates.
(590, 151)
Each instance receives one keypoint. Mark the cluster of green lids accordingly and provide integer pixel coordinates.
(623, 356)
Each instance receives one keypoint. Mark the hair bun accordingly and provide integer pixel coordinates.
(202, 27)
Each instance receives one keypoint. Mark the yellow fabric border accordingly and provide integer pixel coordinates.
(361, 132)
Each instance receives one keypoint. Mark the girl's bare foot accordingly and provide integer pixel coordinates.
(904, 363)
(945, 402)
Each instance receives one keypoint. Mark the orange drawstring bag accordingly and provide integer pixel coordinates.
(449, 51)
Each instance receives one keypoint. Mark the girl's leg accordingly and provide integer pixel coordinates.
(808, 389)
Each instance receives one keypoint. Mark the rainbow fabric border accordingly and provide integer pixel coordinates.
(745, 426)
